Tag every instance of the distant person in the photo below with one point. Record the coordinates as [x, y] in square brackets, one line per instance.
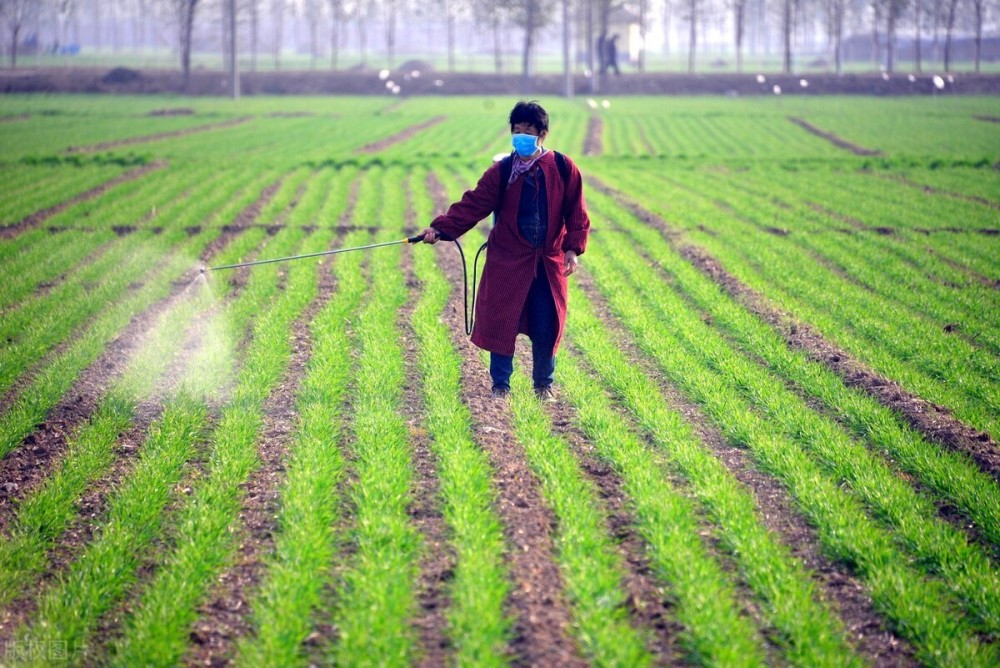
[602, 51]
[612, 54]
[541, 229]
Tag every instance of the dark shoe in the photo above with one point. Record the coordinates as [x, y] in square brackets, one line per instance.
[501, 392]
[546, 393]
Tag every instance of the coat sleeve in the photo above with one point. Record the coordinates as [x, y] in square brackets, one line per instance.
[474, 206]
[575, 213]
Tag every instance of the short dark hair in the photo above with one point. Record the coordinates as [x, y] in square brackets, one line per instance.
[529, 112]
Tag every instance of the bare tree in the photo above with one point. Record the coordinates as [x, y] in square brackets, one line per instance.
[787, 26]
[338, 15]
[739, 23]
[692, 18]
[977, 7]
[362, 10]
[313, 13]
[531, 16]
[278, 8]
[491, 15]
[184, 11]
[389, 10]
[835, 15]
[893, 10]
[16, 15]
[918, 18]
[949, 27]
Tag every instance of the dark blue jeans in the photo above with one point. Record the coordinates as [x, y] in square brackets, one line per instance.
[543, 325]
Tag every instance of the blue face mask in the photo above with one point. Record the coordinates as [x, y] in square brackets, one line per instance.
[525, 145]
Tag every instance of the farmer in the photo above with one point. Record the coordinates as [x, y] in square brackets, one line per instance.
[541, 229]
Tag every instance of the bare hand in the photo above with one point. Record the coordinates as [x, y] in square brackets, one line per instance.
[430, 236]
[569, 264]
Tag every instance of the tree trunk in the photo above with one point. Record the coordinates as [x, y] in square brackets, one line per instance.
[529, 36]
[451, 40]
[693, 34]
[497, 44]
[567, 61]
[978, 6]
[890, 40]
[187, 31]
[949, 27]
[390, 33]
[642, 36]
[876, 42]
[918, 50]
[738, 18]
[786, 34]
[15, 33]
[838, 35]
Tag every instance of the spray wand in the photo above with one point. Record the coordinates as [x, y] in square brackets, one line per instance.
[469, 313]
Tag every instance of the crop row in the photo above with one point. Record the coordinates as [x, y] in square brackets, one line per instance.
[905, 348]
[785, 439]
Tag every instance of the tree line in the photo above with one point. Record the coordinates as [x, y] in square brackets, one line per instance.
[375, 26]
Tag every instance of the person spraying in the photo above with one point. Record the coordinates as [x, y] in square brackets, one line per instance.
[540, 232]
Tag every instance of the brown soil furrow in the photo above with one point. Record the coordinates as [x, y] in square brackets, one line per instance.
[935, 422]
[409, 132]
[593, 143]
[988, 119]
[25, 467]
[103, 146]
[832, 138]
[228, 615]
[931, 190]
[647, 600]
[13, 118]
[40, 217]
[537, 605]
[437, 563]
[973, 275]
[776, 510]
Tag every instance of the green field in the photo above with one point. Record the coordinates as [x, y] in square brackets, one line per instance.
[778, 395]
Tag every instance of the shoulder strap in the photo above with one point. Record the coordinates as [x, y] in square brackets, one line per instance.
[563, 166]
[506, 165]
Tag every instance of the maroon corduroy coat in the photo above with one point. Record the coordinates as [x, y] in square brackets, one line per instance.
[510, 259]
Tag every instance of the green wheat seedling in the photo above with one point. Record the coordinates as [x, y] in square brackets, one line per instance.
[44, 514]
[921, 609]
[949, 474]
[57, 376]
[591, 569]
[291, 593]
[939, 545]
[817, 297]
[376, 598]
[158, 631]
[477, 625]
[135, 517]
[810, 634]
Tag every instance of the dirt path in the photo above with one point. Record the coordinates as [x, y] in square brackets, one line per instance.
[409, 132]
[541, 617]
[144, 139]
[933, 421]
[833, 139]
[39, 217]
[866, 629]
[593, 143]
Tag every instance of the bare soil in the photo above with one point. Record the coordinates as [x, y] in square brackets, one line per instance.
[838, 587]
[40, 217]
[131, 141]
[593, 143]
[537, 605]
[935, 422]
[409, 132]
[833, 139]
